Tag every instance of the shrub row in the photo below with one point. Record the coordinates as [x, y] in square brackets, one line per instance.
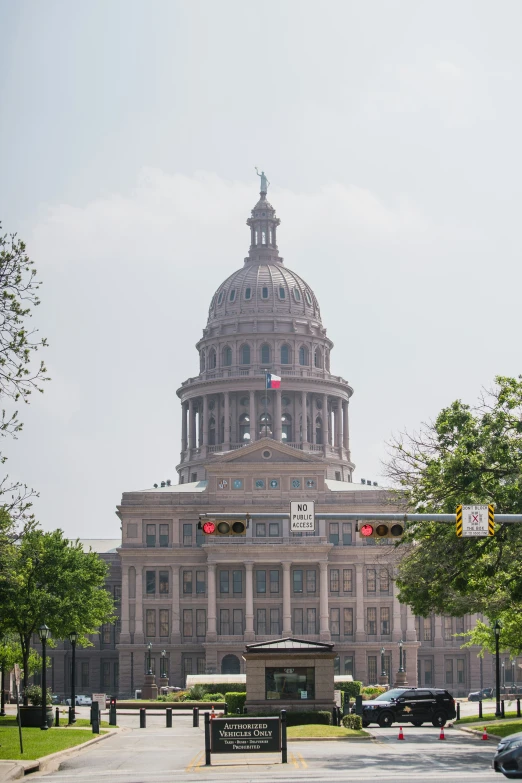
[234, 701]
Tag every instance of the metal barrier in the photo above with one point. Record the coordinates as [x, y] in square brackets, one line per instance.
[480, 709]
[168, 713]
[143, 718]
[195, 717]
[57, 717]
[95, 717]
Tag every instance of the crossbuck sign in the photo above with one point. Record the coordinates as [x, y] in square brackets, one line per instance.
[302, 516]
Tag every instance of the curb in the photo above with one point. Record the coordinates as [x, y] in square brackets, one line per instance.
[330, 739]
[478, 733]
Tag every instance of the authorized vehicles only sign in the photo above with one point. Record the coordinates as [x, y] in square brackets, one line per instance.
[241, 735]
[302, 516]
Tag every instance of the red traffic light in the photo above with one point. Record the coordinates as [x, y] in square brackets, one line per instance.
[367, 530]
[209, 528]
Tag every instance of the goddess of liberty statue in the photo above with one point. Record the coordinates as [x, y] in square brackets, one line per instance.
[264, 182]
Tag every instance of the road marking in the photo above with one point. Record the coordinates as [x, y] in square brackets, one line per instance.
[194, 760]
[294, 761]
[303, 762]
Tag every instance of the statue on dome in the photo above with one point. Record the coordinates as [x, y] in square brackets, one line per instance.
[264, 182]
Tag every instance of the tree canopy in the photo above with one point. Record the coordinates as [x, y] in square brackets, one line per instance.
[468, 455]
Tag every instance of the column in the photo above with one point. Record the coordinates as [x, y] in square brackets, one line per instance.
[397, 622]
[360, 633]
[324, 626]
[346, 440]
[205, 419]
[278, 432]
[253, 416]
[411, 633]
[138, 622]
[304, 433]
[313, 434]
[183, 426]
[191, 426]
[212, 610]
[226, 439]
[125, 630]
[249, 603]
[287, 612]
[339, 424]
[175, 631]
[326, 421]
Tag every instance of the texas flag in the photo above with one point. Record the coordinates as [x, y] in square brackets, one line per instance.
[272, 381]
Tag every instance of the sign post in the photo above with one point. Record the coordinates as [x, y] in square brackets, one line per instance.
[302, 516]
[17, 674]
[475, 521]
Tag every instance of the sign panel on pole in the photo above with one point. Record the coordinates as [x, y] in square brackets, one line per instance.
[241, 735]
[101, 698]
[302, 516]
[475, 521]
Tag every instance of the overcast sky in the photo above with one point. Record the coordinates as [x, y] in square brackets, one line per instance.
[129, 132]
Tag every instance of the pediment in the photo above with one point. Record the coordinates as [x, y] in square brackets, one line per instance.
[279, 452]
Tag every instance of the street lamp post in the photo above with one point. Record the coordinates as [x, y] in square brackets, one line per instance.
[2, 686]
[73, 638]
[401, 667]
[383, 671]
[497, 669]
[503, 677]
[512, 676]
[149, 661]
[44, 633]
[163, 673]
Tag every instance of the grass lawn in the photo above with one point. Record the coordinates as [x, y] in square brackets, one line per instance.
[506, 728]
[10, 720]
[38, 743]
[321, 730]
[485, 718]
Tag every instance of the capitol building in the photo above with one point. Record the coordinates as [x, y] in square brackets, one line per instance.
[248, 449]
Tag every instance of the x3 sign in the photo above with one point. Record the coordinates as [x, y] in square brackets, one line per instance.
[475, 521]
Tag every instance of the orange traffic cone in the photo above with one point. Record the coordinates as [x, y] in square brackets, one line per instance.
[212, 714]
[441, 735]
[401, 735]
[485, 733]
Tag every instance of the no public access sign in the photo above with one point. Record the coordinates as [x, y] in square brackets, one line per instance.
[255, 735]
[302, 516]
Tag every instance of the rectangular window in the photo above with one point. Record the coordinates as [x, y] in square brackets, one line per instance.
[164, 535]
[335, 621]
[448, 630]
[298, 622]
[85, 674]
[187, 582]
[384, 581]
[237, 582]
[348, 665]
[200, 665]
[371, 621]
[348, 621]
[298, 581]
[334, 580]
[164, 622]
[261, 582]
[261, 622]
[385, 620]
[427, 629]
[260, 529]
[224, 622]
[333, 533]
[201, 622]
[311, 622]
[187, 666]
[200, 582]
[347, 580]
[106, 633]
[151, 622]
[311, 581]
[151, 535]
[117, 594]
[428, 671]
[387, 666]
[279, 685]
[459, 625]
[187, 623]
[372, 669]
[224, 586]
[337, 666]
[347, 533]
[449, 671]
[274, 621]
[417, 628]
[237, 619]
[371, 579]
[187, 534]
[461, 674]
[150, 582]
[164, 582]
[273, 529]
[106, 675]
[274, 581]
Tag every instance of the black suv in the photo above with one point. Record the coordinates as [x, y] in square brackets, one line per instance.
[409, 705]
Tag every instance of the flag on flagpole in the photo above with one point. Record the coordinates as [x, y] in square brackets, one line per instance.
[272, 381]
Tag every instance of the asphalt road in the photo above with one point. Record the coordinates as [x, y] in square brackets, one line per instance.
[157, 754]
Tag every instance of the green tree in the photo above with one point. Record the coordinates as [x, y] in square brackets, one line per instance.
[467, 455]
[46, 578]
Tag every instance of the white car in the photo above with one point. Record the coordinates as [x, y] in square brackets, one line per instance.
[81, 701]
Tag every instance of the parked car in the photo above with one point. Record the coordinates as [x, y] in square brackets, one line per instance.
[508, 758]
[80, 701]
[485, 693]
[409, 705]
[55, 699]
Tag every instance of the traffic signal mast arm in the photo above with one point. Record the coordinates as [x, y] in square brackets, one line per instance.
[504, 518]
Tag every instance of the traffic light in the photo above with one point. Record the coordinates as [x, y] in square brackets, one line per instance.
[223, 527]
[381, 529]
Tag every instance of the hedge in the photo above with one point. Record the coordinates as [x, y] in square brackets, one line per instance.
[219, 687]
[352, 722]
[351, 688]
[296, 717]
[234, 701]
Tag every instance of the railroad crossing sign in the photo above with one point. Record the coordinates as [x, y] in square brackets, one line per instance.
[475, 521]
[302, 516]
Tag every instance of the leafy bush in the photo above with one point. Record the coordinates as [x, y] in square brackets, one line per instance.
[235, 700]
[352, 722]
[370, 692]
[34, 694]
[214, 697]
[198, 692]
[298, 718]
[351, 688]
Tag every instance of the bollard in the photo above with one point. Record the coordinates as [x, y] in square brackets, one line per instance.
[238, 710]
[458, 710]
[57, 717]
[95, 713]
[245, 710]
[339, 717]
[503, 708]
[143, 718]
[168, 713]
[207, 738]
[225, 711]
[112, 711]
[480, 709]
[518, 708]
[284, 749]
[334, 716]
[358, 705]
[195, 717]
[72, 718]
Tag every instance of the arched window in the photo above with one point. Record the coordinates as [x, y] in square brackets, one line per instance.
[303, 356]
[244, 427]
[232, 295]
[202, 361]
[307, 297]
[227, 356]
[248, 293]
[230, 664]
[265, 425]
[285, 354]
[265, 354]
[282, 292]
[212, 359]
[212, 431]
[264, 292]
[245, 354]
[297, 295]
[318, 358]
[220, 297]
[319, 431]
[286, 428]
